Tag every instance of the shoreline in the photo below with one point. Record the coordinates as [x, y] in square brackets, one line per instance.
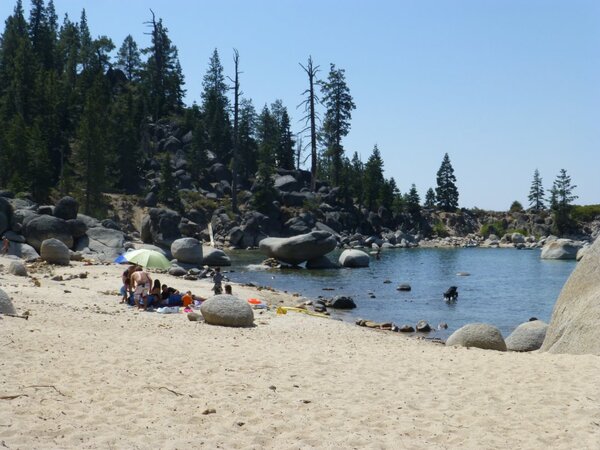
[86, 372]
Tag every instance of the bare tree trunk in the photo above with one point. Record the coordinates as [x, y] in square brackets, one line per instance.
[311, 117]
[236, 109]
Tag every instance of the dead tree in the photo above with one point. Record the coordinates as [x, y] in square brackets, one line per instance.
[236, 137]
[310, 119]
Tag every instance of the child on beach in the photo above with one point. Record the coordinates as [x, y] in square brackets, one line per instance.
[217, 280]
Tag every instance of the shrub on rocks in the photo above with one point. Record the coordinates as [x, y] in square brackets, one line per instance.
[227, 311]
[478, 335]
[54, 251]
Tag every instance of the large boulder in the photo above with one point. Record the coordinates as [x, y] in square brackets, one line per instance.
[187, 250]
[354, 258]
[105, 243]
[297, 249]
[560, 249]
[527, 337]
[54, 251]
[321, 262]
[228, 311]
[47, 227]
[6, 306]
[287, 183]
[161, 227]
[17, 268]
[215, 257]
[66, 208]
[574, 327]
[478, 335]
[23, 251]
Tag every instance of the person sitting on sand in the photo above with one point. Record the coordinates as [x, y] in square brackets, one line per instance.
[141, 283]
[166, 292]
[126, 288]
[154, 296]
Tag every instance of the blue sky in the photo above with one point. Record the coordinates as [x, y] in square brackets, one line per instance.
[504, 87]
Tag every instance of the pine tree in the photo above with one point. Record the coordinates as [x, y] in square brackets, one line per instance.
[162, 74]
[168, 190]
[285, 146]
[91, 148]
[355, 178]
[561, 201]
[336, 123]
[430, 199]
[373, 180]
[128, 59]
[446, 191]
[413, 201]
[248, 146]
[214, 109]
[125, 135]
[39, 170]
[536, 193]
[197, 153]
[267, 131]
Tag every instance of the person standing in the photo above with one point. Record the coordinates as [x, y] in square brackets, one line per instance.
[141, 283]
[5, 245]
[217, 280]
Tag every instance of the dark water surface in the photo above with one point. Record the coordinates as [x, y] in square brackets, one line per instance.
[505, 286]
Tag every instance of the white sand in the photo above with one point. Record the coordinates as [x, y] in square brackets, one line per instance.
[95, 374]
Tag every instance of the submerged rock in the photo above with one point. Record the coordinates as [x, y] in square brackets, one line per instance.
[297, 249]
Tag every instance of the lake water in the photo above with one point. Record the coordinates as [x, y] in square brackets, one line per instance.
[505, 286]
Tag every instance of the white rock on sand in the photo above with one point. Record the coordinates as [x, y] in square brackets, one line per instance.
[86, 372]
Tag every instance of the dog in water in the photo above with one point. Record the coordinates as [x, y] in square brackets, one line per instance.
[451, 294]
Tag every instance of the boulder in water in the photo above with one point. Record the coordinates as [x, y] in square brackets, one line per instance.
[297, 249]
[560, 249]
[354, 258]
[215, 257]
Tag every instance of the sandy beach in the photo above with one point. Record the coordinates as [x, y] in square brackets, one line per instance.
[86, 372]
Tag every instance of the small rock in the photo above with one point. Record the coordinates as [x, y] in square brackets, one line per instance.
[406, 329]
[194, 317]
[423, 326]
[404, 287]
[209, 411]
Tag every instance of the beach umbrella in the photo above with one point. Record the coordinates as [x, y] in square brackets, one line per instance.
[120, 259]
[150, 259]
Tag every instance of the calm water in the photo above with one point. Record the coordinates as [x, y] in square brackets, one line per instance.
[505, 286]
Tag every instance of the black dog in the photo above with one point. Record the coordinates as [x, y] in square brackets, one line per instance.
[451, 294]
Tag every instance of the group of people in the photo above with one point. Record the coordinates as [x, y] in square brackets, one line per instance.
[140, 291]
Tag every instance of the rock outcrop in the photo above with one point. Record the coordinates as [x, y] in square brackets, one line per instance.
[478, 335]
[574, 327]
[227, 311]
[297, 249]
[45, 227]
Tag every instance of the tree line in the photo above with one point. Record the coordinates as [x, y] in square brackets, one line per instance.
[76, 111]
